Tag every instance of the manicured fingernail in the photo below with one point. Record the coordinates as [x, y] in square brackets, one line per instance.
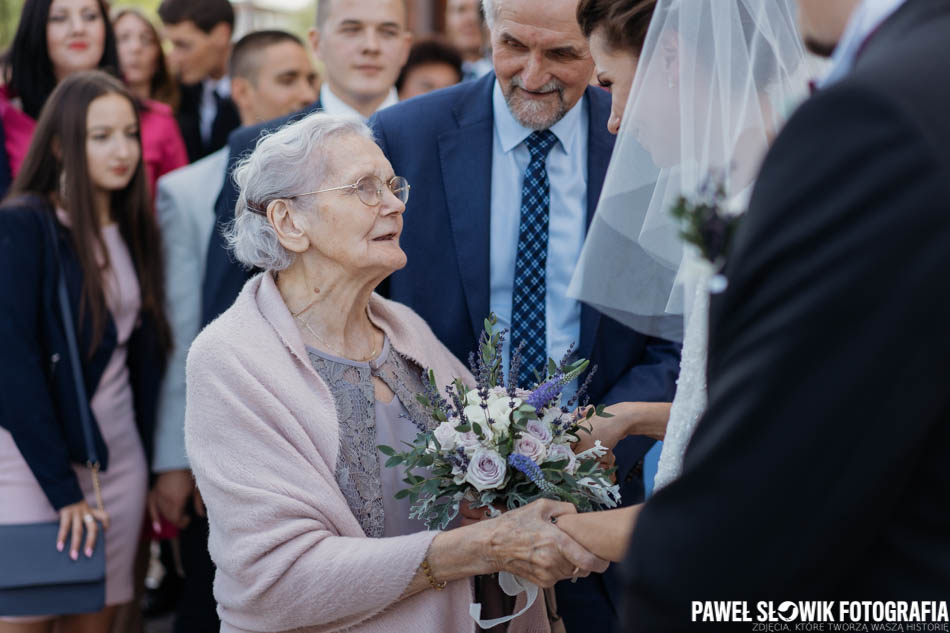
[59, 547]
[156, 526]
[88, 552]
[74, 555]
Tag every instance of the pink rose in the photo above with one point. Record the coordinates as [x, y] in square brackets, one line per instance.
[531, 447]
[561, 452]
[487, 470]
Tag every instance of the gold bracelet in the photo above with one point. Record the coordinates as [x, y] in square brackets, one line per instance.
[438, 586]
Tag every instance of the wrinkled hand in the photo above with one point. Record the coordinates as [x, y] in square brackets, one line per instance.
[526, 543]
[169, 497]
[71, 521]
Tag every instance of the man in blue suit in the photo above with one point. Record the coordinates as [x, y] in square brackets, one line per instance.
[505, 174]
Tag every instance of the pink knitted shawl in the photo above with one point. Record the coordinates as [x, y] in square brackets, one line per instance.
[262, 438]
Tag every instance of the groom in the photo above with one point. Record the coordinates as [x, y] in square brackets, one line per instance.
[820, 470]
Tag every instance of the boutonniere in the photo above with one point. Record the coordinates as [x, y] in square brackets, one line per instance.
[707, 224]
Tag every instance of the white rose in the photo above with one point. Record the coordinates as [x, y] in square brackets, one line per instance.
[446, 434]
[560, 452]
[487, 470]
[541, 430]
[472, 398]
[476, 414]
[469, 442]
[531, 447]
[500, 413]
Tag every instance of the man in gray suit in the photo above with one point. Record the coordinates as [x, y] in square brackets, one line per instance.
[271, 76]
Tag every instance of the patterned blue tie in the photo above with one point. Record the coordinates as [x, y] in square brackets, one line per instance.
[528, 319]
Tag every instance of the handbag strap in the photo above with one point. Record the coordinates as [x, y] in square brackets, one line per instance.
[75, 365]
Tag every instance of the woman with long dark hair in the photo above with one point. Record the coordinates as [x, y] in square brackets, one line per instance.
[79, 207]
[54, 39]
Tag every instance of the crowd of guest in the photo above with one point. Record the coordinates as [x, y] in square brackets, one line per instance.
[218, 301]
[158, 119]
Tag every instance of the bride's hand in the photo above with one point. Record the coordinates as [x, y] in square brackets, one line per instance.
[629, 418]
[609, 430]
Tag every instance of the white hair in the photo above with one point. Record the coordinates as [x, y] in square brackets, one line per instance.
[286, 162]
[488, 8]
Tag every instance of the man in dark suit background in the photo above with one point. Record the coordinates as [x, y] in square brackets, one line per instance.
[505, 176]
[363, 45]
[200, 33]
[820, 468]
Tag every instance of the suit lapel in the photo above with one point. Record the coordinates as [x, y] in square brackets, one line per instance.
[600, 144]
[465, 155]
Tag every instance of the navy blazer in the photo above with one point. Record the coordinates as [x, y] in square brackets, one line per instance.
[224, 277]
[38, 399]
[442, 143]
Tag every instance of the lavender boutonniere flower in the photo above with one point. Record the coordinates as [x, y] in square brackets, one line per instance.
[705, 221]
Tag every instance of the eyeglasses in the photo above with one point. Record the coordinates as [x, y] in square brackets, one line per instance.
[369, 189]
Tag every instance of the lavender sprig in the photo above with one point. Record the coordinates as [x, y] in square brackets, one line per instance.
[515, 369]
[459, 459]
[524, 464]
[582, 390]
[546, 392]
[566, 359]
[432, 393]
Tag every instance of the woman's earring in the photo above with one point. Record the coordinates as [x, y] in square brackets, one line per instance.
[62, 186]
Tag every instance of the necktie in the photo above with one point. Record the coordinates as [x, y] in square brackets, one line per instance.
[528, 319]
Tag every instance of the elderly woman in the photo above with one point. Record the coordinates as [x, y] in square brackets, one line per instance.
[291, 390]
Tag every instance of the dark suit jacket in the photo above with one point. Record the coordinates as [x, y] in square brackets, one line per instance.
[224, 277]
[189, 120]
[38, 397]
[442, 143]
[820, 468]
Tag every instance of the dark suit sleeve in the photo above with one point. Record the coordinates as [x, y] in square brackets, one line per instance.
[652, 379]
[26, 402]
[828, 352]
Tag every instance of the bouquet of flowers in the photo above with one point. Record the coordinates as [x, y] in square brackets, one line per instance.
[497, 445]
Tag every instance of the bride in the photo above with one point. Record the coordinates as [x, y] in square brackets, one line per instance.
[697, 103]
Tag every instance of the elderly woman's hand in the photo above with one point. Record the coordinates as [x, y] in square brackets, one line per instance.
[528, 543]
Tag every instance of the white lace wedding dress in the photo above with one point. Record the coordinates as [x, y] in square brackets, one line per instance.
[689, 402]
[690, 399]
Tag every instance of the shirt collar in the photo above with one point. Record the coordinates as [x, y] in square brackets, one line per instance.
[220, 86]
[332, 104]
[866, 19]
[511, 133]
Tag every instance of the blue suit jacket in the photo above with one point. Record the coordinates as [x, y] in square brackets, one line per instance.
[224, 277]
[442, 143]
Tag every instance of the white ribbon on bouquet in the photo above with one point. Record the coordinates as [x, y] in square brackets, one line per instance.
[512, 585]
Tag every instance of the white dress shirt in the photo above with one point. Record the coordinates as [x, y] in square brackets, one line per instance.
[209, 105]
[867, 17]
[334, 105]
[567, 175]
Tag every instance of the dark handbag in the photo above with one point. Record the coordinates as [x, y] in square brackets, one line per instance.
[35, 578]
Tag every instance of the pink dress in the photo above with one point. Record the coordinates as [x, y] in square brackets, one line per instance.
[163, 149]
[125, 484]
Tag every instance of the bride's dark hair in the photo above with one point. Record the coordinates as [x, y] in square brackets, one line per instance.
[624, 22]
